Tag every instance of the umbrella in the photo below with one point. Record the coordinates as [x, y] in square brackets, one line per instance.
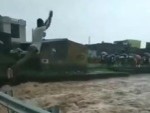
[147, 54]
[104, 53]
[1, 42]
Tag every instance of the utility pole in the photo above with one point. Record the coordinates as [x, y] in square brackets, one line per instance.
[89, 40]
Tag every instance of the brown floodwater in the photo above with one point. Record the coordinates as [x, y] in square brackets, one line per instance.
[114, 95]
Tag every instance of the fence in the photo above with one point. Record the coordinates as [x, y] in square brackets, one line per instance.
[16, 106]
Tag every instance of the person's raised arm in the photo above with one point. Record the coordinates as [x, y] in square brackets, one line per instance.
[48, 21]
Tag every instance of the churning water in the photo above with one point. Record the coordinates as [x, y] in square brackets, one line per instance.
[114, 95]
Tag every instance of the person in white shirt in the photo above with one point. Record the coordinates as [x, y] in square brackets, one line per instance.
[38, 33]
[34, 49]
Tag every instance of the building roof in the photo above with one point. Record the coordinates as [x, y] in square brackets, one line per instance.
[6, 19]
[55, 40]
[128, 40]
[60, 40]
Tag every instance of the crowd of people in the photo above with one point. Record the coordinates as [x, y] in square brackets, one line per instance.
[124, 59]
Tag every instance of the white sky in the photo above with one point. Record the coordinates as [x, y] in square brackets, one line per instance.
[102, 20]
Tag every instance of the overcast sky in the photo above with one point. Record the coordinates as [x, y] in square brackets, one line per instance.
[102, 20]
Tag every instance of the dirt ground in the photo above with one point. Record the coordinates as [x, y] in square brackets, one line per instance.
[114, 95]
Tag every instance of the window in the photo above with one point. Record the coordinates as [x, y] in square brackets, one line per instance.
[15, 31]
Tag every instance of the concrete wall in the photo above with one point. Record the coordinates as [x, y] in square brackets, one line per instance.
[6, 22]
[77, 54]
[92, 53]
[63, 52]
[134, 43]
[54, 52]
[7, 28]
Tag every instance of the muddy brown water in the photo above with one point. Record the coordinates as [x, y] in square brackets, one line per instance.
[114, 95]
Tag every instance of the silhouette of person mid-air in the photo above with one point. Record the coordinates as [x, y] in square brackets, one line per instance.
[34, 49]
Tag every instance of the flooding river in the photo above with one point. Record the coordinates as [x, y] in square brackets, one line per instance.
[113, 95]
